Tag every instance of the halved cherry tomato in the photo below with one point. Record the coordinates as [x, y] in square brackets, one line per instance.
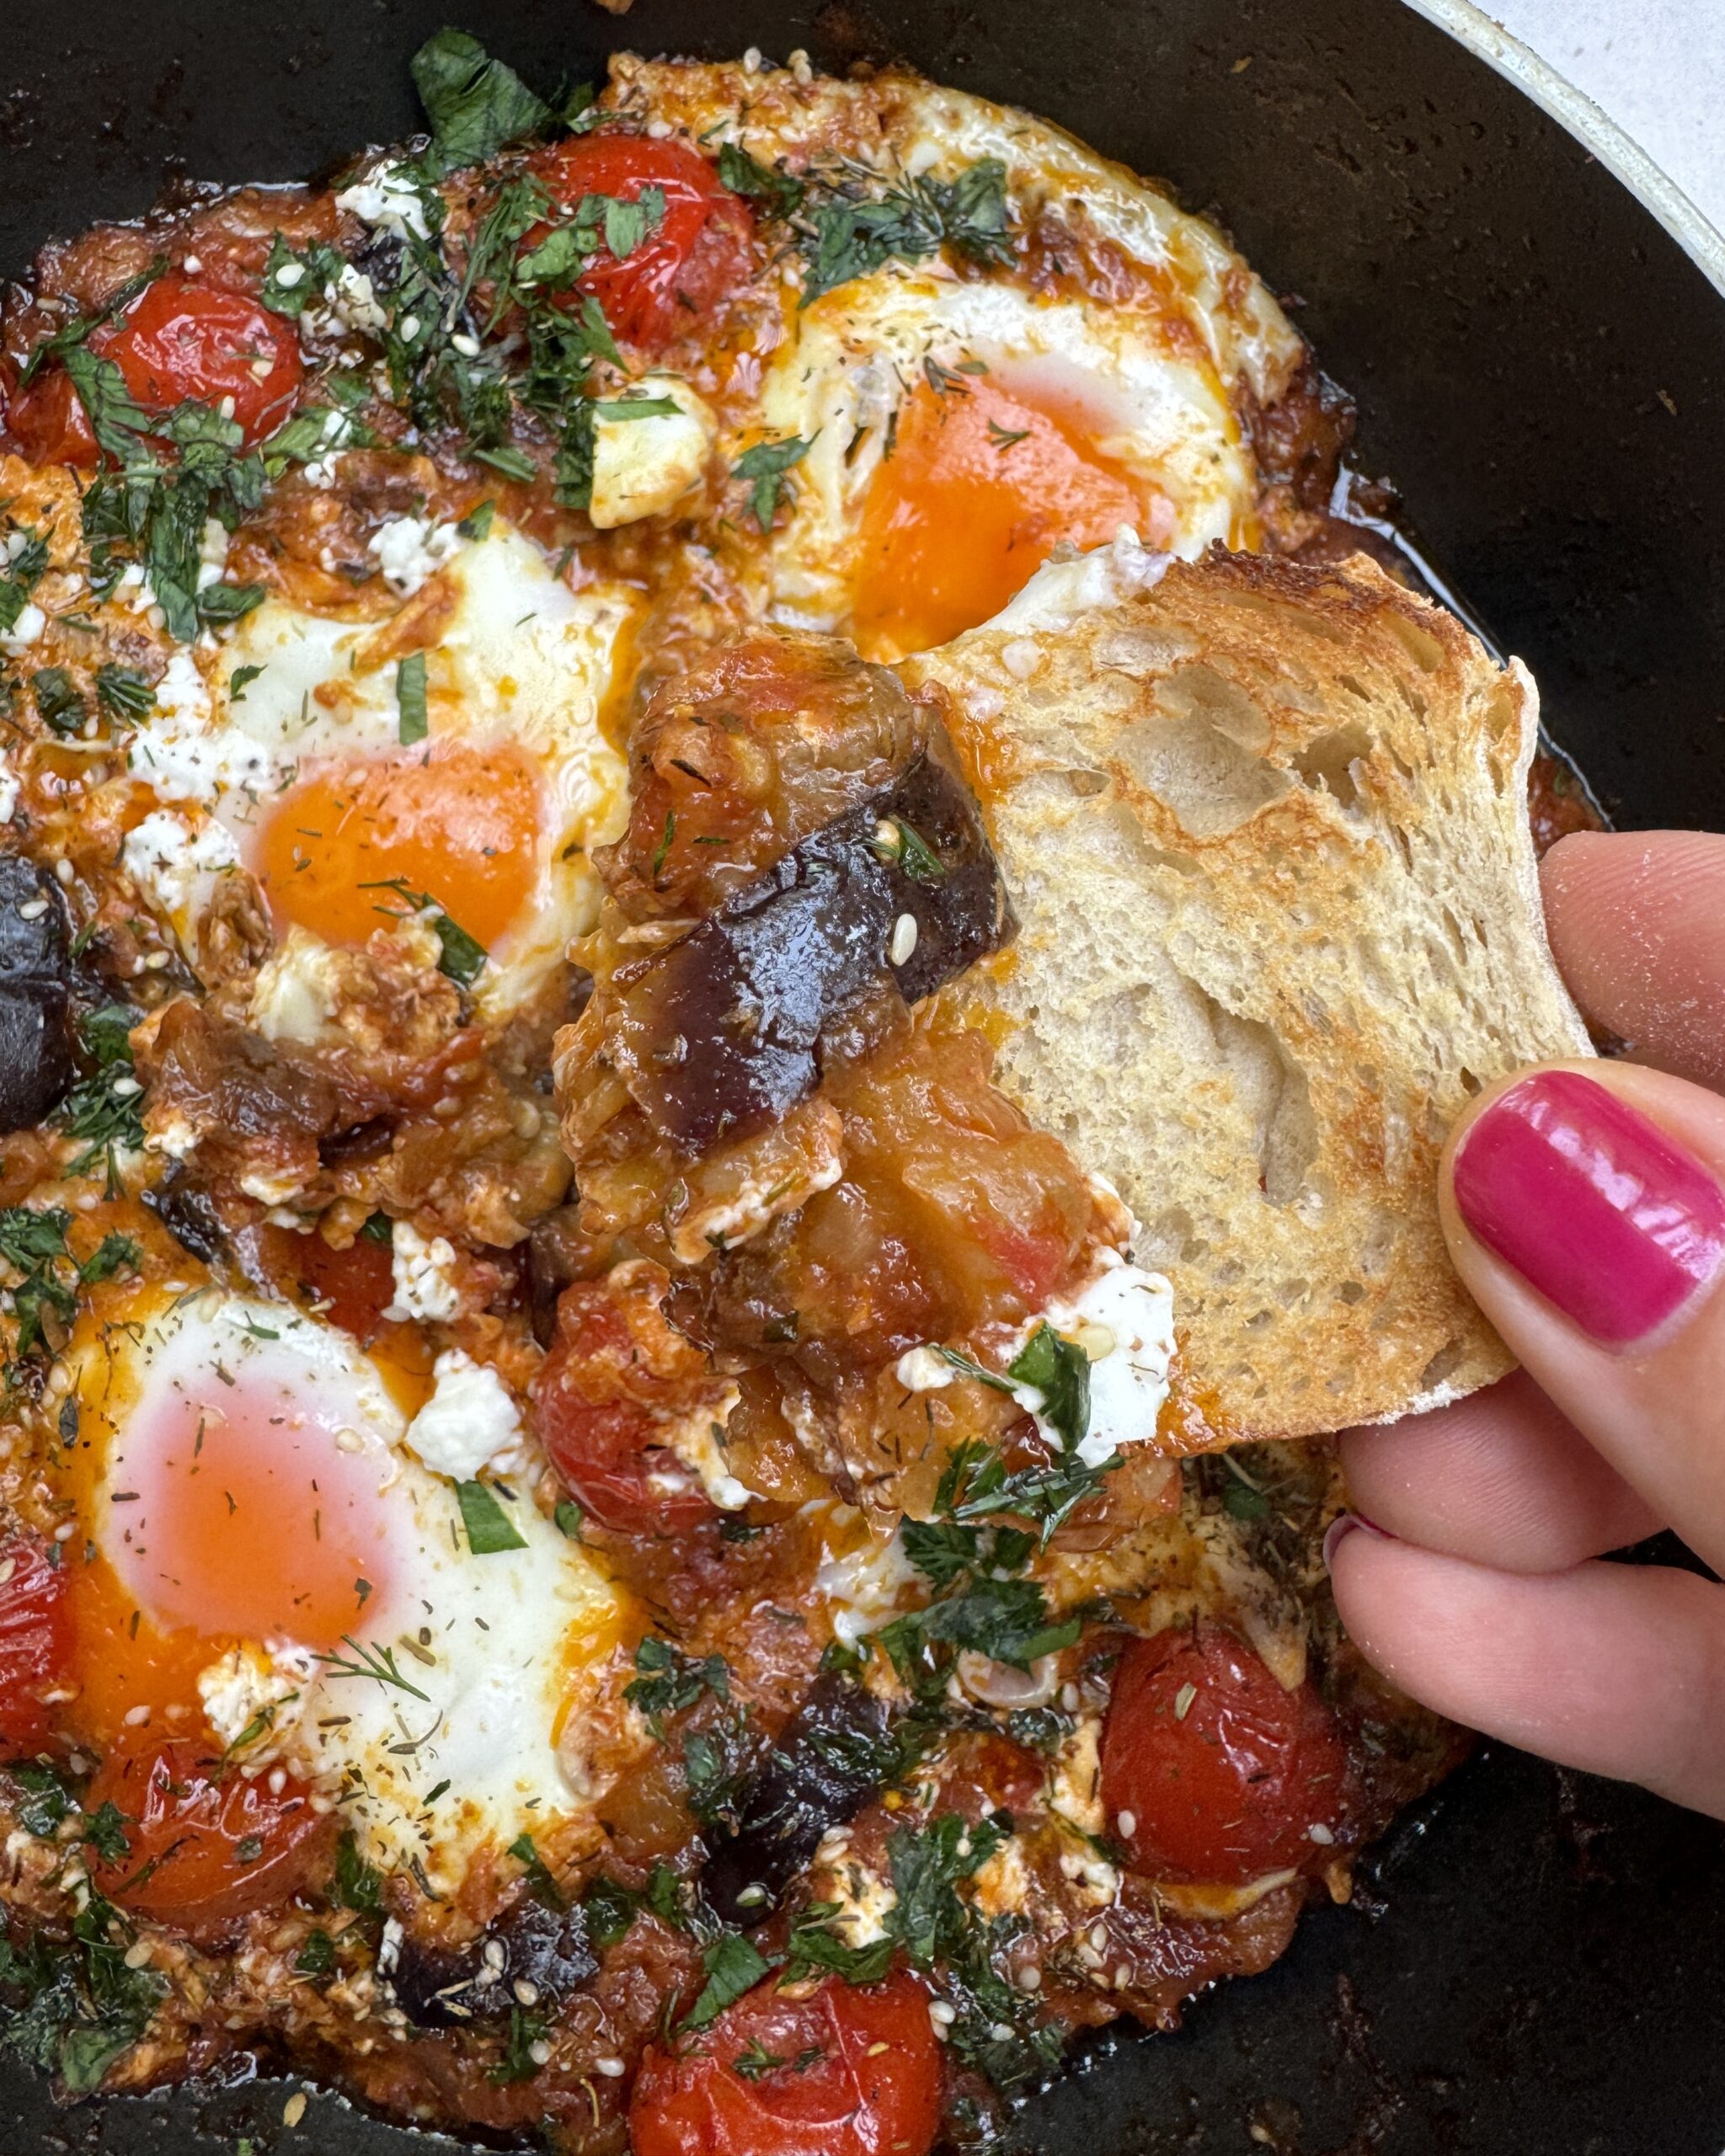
[182, 337]
[205, 1844]
[1221, 1774]
[46, 420]
[35, 1640]
[847, 2071]
[617, 1378]
[698, 252]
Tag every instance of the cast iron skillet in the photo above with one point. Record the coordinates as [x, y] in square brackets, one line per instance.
[1535, 1962]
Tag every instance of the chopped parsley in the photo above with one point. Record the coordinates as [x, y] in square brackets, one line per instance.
[733, 1965]
[60, 701]
[475, 104]
[671, 1680]
[490, 1528]
[316, 1958]
[518, 2063]
[414, 724]
[357, 1884]
[847, 237]
[744, 174]
[764, 465]
[541, 1885]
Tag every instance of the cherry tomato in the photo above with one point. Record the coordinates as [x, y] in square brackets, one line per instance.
[35, 1640]
[847, 2071]
[47, 421]
[698, 252]
[205, 1844]
[1221, 1774]
[181, 338]
[355, 1285]
[617, 1376]
[184, 338]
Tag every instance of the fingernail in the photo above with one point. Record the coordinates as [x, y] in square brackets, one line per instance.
[1595, 1207]
[1341, 1527]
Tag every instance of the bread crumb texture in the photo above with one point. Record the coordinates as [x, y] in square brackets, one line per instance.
[1265, 826]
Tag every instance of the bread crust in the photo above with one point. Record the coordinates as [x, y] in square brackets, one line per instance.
[1265, 826]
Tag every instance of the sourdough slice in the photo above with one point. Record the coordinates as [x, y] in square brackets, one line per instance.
[1265, 827]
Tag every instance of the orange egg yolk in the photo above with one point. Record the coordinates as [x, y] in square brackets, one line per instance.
[459, 824]
[982, 483]
[235, 1514]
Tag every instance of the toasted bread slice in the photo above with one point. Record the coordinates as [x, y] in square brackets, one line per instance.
[1265, 827]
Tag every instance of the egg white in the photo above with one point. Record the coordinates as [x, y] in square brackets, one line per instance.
[519, 659]
[494, 1642]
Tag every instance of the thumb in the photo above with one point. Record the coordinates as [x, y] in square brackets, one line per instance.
[1585, 1206]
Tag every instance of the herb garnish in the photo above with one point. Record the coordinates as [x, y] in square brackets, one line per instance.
[765, 465]
[671, 1680]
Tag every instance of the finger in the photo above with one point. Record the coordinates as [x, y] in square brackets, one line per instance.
[1500, 1478]
[1583, 1208]
[1619, 1669]
[1634, 919]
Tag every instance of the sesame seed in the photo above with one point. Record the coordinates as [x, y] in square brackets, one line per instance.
[64, 871]
[348, 1441]
[496, 1954]
[539, 2053]
[1318, 1832]
[1069, 1698]
[467, 346]
[409, 327]
[1030, 1979]
[137, 1955]
[1127, 1823]
[158, 961]
[526, 1992]
[941, 2014]
[226, 408]
[289, 275]
[135, 1717]
[904, 941]
[613, 2069]
[874, 2051]
[66, 1531]
[752, 1897]
[33, 910]
[191, 265]
[294, 2110]
[1098, 1937]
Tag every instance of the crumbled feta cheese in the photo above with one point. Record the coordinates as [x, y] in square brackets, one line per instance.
[296, 993]
[410, 549]
[8, 790]
[184, 757]
[923, 1369]
[424, 1287]
[353, 302]
[470, 1421]
[757, 1202]
[1075, 1793]
[864, 1902]
[26, 630]
[697, 1440]
[1124, 1319]
[171, 860]
[250, 1682]
[866, 1586]
[387, 200]
[642, 468]
[212, 554]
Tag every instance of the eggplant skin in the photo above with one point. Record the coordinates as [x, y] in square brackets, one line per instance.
[545, 1950]
[831, 1759]
[36, 1067]
[722, 1034]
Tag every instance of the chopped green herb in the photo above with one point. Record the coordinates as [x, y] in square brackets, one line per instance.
[1059, 1371]
[358, 1886]
[847, 237]
[60, 701]
[123, 692]
[744, 174]
[669, 1680]
[815, 1949]
[414, 724]
[240, 681]
[733, 1966]
[379, 1228]
[907, 849]
[105, 1830]
[540, 1883]
[46, 1802]
[316, 1958]
[766, 466]
[527, 2032]
[490, 1527]
[568, 1517]
[476, 524]
[376, 1662]
[609, 1909]
[475, 104]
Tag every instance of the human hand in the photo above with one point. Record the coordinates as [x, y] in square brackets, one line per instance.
[1585, 1206]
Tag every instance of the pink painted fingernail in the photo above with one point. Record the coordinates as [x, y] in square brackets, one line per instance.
[1595, 1207]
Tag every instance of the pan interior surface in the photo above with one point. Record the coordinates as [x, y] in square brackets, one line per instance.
[1534, 1961]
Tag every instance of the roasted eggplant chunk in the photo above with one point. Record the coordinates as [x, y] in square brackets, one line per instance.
[535, 1956]
[832, 1760]
[35, 1049]
[722, 1033]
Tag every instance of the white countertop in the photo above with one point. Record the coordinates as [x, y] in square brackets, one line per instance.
[1655, 67]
